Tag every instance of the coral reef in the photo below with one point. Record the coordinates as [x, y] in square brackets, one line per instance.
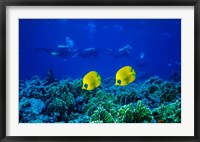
[101, 115]
[139, 114]
[63, 101]
[30, 108]
[168, 113]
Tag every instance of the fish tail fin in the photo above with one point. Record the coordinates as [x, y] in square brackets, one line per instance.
[132, 78]
[98, 81]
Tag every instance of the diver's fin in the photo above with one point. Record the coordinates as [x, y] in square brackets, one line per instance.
[61, 46]
[75, 55]
[74, 50]
[110, 50]
[54, 53]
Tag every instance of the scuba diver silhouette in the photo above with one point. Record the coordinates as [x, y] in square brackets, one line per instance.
[124, 51]
[141, 62]
[68, 50]
[88, 52]
[62, 51]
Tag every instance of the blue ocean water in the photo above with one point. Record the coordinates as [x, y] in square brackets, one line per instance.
[155, 47]
[55, 55]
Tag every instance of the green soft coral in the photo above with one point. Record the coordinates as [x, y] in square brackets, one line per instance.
[101, 99]
[125, 114]
[141, 114]
[101, 115]
[61, 92]
[126, 97]
[170, 113]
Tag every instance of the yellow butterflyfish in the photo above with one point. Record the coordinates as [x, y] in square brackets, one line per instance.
[91, 80]
[125, 76]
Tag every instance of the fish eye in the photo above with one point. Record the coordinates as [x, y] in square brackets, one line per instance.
[86, 86]
[119, 82]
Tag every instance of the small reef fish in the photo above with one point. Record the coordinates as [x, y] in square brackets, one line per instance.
[91, 81]
[125, 76]
[161, 121]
